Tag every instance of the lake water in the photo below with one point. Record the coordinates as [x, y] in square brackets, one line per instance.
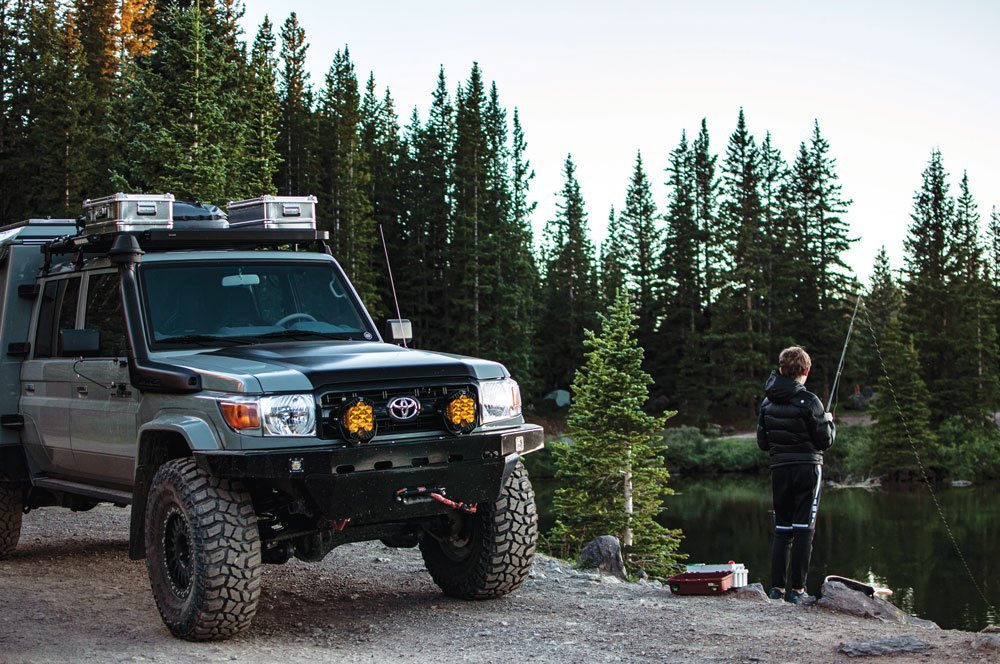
[892, 536]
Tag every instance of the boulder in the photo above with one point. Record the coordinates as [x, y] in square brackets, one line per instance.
[838, 597]
[891, 646]
[605, 555]
[989, 641]
[753, 592]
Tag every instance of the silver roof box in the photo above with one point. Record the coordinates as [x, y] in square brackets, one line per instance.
[129, 212]
[284, 212]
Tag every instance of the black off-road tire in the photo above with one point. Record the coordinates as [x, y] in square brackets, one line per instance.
[11, 509]
[492, 555]
[202, 552]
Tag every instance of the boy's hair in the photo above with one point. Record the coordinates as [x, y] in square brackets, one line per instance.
[794, 361]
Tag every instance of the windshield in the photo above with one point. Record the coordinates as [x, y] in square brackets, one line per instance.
[209, 303]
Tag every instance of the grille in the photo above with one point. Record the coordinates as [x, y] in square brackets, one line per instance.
[431, 398]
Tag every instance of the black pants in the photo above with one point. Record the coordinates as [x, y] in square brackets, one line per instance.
[796, 491]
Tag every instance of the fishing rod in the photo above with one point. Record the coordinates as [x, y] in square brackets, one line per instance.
[843, 355]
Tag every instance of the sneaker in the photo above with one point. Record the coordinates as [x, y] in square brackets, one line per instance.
[794, 597]
[776, 593]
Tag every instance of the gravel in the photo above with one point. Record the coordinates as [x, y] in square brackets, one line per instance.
[70, 594]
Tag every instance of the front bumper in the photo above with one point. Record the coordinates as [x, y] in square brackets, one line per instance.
[360, 483]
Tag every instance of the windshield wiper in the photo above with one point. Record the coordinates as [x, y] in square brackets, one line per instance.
[298, 334]
[201, 340]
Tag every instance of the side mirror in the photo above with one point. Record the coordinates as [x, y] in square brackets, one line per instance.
[400, 330]
[79, 343]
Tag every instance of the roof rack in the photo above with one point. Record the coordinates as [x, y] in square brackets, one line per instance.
[171, 240]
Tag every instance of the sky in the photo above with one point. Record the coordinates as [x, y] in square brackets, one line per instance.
[888, 81]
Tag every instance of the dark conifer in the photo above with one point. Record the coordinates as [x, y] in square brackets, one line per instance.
[263, 113]
[642, 242]
[297, 171]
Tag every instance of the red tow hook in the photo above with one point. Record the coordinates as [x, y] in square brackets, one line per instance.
[468, 509]
[340, 524]
[408, 495]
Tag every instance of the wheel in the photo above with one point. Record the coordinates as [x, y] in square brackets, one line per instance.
[202, 552]
[491, 556]
[11, 509]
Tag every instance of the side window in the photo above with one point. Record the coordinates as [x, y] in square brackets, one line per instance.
[104, 313]
[60, 300]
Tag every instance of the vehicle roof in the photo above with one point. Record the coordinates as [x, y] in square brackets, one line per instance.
[101, 262]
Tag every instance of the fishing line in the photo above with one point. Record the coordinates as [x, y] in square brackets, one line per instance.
[920, 463]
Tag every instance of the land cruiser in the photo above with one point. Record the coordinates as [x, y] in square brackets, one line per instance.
[222, 378]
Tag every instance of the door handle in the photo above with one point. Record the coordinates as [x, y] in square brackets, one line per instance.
[81, 390]
[29, 388]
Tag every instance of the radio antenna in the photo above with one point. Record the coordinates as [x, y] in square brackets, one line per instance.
[392, 284]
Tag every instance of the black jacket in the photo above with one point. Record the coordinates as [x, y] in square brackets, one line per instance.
[791, 426]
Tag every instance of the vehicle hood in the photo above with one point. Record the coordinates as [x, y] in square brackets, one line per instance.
[305, 366]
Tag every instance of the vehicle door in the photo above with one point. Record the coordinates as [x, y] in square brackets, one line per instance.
[48, 380]
[103, 417]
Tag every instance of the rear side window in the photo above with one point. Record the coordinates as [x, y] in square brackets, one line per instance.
[60, 300]
[104, 313]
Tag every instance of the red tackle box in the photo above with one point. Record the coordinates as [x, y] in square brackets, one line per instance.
[700, 583]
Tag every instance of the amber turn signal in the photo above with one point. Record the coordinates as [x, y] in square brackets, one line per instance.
[241, 415]
[460, 413]
[357, 420]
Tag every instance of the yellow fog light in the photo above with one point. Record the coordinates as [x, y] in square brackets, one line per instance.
[357, 420]
[460, 413]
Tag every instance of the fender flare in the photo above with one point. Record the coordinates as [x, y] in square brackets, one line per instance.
[167, 436]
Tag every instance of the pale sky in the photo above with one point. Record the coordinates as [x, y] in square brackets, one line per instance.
[888, 81]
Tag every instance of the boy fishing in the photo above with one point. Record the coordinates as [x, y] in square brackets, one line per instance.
[794, 429]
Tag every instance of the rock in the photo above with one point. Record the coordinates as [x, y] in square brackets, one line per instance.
[921, 623]
[838, 597]
[754, 592]
[891, 646]
[989, 641]
[604, 554]
[990, 629]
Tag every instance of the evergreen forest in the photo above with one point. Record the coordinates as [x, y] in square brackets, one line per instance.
[745, 255]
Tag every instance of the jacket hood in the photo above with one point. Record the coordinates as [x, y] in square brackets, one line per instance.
[781, 389]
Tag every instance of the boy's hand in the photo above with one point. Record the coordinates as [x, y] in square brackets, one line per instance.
[828, 417]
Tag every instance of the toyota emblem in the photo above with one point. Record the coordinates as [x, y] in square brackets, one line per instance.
[403, 409]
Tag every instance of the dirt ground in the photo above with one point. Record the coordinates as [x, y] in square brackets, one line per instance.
[70, 594]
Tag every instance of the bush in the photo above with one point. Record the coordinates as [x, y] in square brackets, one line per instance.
[970, 452]
[691, 452]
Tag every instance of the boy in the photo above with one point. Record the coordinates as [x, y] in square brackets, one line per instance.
[794, 429]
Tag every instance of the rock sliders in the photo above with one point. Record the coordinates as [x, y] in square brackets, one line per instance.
[605, 555]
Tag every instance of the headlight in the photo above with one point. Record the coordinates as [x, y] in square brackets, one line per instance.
[288, 415]
[500, 400]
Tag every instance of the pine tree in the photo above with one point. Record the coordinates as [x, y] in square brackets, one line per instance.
[433, 161]
[685, 295]
[466, 250]
[344, 179]
[261, 131]
[135, 30]
[569, 288]
[612, 262]
[821, 206]
[99, 39]
[782, 268]
[706, 203]
[738, 325]
[387, 162]
[883, 304]
[927, 270]
[902, 414]
[972, 387]
[522, 276]
[297, 172]
[614, 480]
[182, 136]
[12, 25]
[642, 243]
[49, 103]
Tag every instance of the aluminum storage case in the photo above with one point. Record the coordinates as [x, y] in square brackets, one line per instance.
[285, 212]
[129, 212]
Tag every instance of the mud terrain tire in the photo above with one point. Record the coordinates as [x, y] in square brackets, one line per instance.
[202, 552]
[492, 556]
[11, 509]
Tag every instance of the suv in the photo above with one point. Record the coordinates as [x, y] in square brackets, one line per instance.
[230, 387]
